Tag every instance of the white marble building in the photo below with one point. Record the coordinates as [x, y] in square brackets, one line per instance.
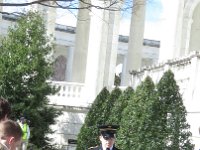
[86, 61]
[73, 74]
[179, 51]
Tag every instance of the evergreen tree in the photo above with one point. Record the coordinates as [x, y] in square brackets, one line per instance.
[88, 135]
[139, 126]
[25, 67]
[176, 132]
[110, 105]
[120, 104]
[117, 80]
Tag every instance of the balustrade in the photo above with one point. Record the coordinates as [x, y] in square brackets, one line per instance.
[69, 94]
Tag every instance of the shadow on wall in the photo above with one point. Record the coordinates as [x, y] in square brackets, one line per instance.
[59, 68]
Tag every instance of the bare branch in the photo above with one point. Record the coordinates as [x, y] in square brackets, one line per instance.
[31, 3]
[71, 4]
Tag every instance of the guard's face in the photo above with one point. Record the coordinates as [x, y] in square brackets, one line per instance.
[107, 143]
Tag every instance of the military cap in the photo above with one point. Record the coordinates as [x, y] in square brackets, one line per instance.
[108, 131]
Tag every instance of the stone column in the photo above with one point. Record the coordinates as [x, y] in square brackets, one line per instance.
[81, 45]
[109, 47]
[94, 51]
[70, 52]
[134, 55]
[51, 21]
[90, 49]
[123, 70]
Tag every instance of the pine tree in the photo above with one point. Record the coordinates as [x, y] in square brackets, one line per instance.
[120, 104]
[110, 105]
[176, 132]
[138, 129]
[25, 67]
[88, 135]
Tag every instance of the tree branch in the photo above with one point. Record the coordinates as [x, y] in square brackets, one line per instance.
[31, 3]
[72, 4]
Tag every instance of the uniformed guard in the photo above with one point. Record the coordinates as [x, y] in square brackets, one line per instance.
[107, 137]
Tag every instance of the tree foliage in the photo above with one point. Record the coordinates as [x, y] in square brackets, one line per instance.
[117, 80]
[109, 105]
[153, 117]
[25, 66]
[99, 113]
[177, 134]
[120, 104]
[138, 125]
[88, 135]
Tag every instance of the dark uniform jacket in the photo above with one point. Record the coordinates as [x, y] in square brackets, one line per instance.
[100, 148]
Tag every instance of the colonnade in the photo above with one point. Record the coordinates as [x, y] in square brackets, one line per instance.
[93, 59]
[95, 52]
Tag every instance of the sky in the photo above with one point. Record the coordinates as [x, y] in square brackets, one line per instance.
[152, 23]
[153, 19]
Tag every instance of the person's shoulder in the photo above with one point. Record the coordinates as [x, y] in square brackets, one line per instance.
[94, 148]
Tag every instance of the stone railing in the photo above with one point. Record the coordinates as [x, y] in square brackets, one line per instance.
[69, 94]
[183, 69]
[68, 89]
